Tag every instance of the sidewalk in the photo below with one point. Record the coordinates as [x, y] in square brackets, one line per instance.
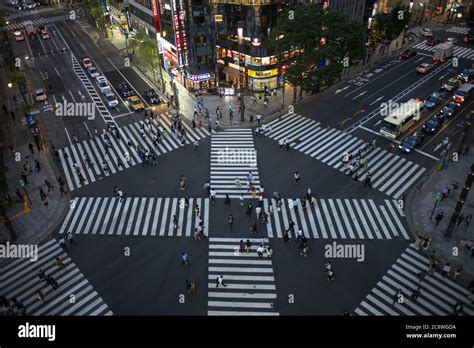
[420, 203]
[36, 221]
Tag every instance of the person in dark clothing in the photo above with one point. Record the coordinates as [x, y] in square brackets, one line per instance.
[439, 217]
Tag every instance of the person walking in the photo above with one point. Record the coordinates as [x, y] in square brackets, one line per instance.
[48, 185]
[467, 220]
[42, 194]
[71, 239]
[460, 219]
[120, 195]
[197, 233]
[446, 269]
[459, 270]
[253, 228]
[414, 296]
[230, 220]
[175, 223]
[397, 297]
[63, 245]
[249, 209]
[241, 199]
[213, 195]
[41, 275]
[220, 281]
[260, 251]
[185, 259]
[196, 144]
[40, 295]
[304, 249]
[269, 252]
[59, 262]
[297, 177]
[458, 308]
[37, 165]
[248, 246]
[281, 143]
[438, 218]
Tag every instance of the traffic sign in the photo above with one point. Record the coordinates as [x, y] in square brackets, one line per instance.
[22, 183]
[438, 196]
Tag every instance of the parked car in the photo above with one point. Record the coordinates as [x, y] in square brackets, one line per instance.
[426, 32]
[93, 72]
[432, 41]
[424, 68]
[110, 99]
[103, 84]
[135, 103]
[125, 90]
[151, 97]
[410, 142]
[450, 109]
[467, 75]
[86, 62]
[408, 53]
[432, 125]
[451, 84]
[432, 100]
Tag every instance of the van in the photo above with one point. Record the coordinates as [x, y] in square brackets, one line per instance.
[463, 93]
[29, 28]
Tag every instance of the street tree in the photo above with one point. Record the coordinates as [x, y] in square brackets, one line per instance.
[387, 27]
[315, 46]
[147, 50]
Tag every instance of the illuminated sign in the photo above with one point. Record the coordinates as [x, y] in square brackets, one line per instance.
[129, 19]
[200, 77]
[262, 74]
[155, 16]
[218, 18]
[170, 56]
[229, 54]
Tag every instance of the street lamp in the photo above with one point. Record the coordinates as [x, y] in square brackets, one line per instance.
[10, 85]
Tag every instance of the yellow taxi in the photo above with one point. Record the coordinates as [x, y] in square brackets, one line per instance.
[135, 103]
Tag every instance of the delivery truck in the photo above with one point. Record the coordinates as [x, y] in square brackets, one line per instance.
[443, 51]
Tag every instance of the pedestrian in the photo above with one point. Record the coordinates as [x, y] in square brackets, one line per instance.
[213, 195]
[120, 195]
[197, 234]
[48, 185]
[249, 209]
[248, 246]
[51, 281]
[23, 177]
[414, 296]
[458, 308]
[40, 295]
[304, 249]
[31, 147]
[460, 219]
[297, 177]
[258, 211]
[237, 183]
[230, 219]
[42, 194]
[458, 272]
[59, 262]
[63, 245]
[41, 275]
[269, 252]
[62, 191]
[281, 143]
[185, 259]
[446, 269]
[196, 144]
[253, 228]
[286, 238]
[71, 239]
[220, 281]
[467, 219]
[438, 218]
[175, 222]
[37, 165]
[397, 297]
[260, 251]
[227, 200]
[196, 210]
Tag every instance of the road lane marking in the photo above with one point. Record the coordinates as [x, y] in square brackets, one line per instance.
[376, 100]
[359, 95]
[67, 133]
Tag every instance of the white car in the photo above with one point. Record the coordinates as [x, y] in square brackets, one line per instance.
[103, 84]
[45, 34]
[93, 72]
[110, 99]
[40, 95]
[452, 40]
[426, 32]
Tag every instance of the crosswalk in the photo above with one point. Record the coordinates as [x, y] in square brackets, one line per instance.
[94, 151]
[135, 216]
[74, 296]
[39, 22]
[459, 51]
[438, 294]
[390, 173]
[458, 30]
[338, 218]
[250, 289]
[233, 156]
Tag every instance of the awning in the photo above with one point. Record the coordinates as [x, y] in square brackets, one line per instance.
[231, 71]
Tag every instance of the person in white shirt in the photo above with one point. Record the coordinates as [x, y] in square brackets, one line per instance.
[260, 251]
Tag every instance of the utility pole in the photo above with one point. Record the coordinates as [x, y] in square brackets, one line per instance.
[460, 203]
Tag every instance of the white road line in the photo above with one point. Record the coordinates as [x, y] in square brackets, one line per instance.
[72, 96]
[376, 100]
[57, 72]
[70, 142]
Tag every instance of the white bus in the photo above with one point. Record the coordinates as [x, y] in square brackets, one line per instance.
[400, 119]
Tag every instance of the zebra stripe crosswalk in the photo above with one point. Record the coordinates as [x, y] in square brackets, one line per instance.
[250, 285]
[233, 156]
[135, 216]
[458, 30]
[97, 152]
[19, 279]
[39, 22]
[390, 173]
[337, 218]
[438, 294]
[459, 51]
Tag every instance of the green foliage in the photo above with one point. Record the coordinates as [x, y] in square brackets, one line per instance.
[389, 26]
[302, 36]
[18, 78]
